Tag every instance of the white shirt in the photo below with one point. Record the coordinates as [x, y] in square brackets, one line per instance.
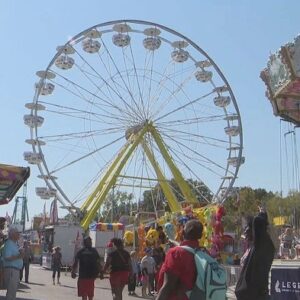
[148, 263]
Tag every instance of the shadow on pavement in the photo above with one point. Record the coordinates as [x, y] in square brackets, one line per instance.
[67, 286]
[24, 285]
[4, 297]
[102, 288]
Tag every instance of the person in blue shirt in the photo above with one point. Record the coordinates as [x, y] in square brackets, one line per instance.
[12, 263]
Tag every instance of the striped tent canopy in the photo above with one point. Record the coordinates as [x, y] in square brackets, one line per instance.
[107, 226]
[11, 179]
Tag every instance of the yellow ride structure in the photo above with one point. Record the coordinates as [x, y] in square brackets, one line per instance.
[135, 137]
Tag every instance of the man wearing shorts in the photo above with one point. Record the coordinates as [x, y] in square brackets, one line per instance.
[89, 268]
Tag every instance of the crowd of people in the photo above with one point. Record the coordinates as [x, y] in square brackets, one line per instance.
[165, 273]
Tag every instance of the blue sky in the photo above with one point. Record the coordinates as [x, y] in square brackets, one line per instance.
[237, 35]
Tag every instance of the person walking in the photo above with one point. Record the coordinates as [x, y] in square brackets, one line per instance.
[148, 272]
[158, 255]
[12, 263]
[119, 262]
[178, 272]
[257, 260]
[56, 264]
[88, 260]
[133, 275]
[27, 258]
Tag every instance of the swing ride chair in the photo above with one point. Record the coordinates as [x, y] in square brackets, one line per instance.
[155, 86]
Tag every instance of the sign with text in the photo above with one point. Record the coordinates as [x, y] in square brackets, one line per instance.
[285, 284]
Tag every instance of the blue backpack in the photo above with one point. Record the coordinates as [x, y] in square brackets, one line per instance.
[211, 280]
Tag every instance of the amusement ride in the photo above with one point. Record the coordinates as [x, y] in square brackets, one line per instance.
[132, 106]
[282, 79]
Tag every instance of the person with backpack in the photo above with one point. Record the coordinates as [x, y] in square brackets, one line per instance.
[256, 261]
[190, 273]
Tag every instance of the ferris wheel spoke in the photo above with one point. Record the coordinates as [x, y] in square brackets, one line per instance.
[148, 87]
[85, 156]
[116, 84]
[154, 97]
[81, 88]
[87, 116]
[183, 135]
[107, 100]
[138, 83]
[135, 106]
[111, 88]
[190, 121]
[119, 90]
[200, 163]
[192, 151]
[131, 78]
[115, 91]
[81, 194]
[172, 96]
[78, 135]
[169, 75]
[183, 106]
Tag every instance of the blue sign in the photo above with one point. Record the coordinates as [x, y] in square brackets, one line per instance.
[285, 284]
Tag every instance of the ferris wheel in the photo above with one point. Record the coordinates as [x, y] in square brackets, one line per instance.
[131, 105]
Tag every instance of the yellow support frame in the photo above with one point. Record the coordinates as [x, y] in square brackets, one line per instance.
[92, 204]
[94, 201]
[183, 185]
[172, 200]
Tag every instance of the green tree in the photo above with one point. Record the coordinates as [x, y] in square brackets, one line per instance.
[156, 198]
[117, 204]
[244, 204]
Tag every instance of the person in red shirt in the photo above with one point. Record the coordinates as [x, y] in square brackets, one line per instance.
[178, 272]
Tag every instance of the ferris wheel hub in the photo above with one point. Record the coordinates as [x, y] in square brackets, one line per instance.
[133, 130]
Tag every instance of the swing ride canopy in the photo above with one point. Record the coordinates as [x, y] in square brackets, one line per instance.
[282, 78]
[11, 179]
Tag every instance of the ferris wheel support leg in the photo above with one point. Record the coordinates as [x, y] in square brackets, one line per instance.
[111, 175]
[104, 179]
[174, 205]
[183, 185]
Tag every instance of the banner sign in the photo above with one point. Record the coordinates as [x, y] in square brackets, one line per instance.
[285, 284]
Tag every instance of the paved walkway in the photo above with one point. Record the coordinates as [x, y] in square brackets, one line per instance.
[40, 287]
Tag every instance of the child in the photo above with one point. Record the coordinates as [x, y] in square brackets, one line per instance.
[132, 277]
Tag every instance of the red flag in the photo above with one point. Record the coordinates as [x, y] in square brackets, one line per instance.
[53, 212]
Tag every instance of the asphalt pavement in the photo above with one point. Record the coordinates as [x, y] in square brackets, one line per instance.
[40, 287]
